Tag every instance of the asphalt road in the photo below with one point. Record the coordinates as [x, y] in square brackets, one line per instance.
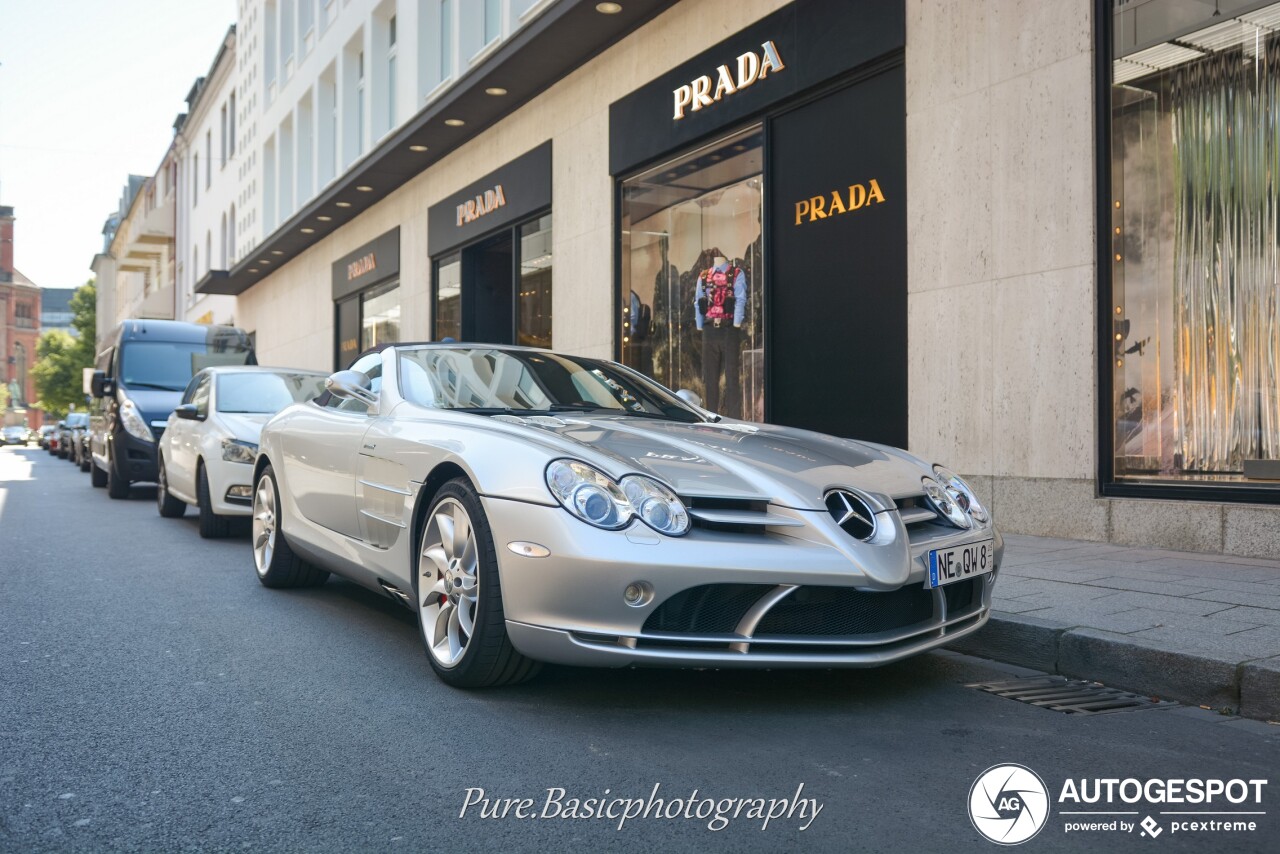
[154, 697]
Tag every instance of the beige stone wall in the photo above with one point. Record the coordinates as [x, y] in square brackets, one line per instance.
[292, 311]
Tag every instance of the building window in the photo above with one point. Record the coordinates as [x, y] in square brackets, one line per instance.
[692, 277]
[391, 72]
[1193, 363]
[208, 158]
[286, 30]
[359, 136]
[208, 249]
[231, 236]
[231, 130]
[533, 297]
[195, 180]
[446, 39]
[22, 316]
[492, 20]
[448, 313]
[222, 127]
[380, 316]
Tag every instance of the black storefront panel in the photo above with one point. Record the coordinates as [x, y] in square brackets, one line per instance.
[502, 198]
[838, 262]
[813, 42]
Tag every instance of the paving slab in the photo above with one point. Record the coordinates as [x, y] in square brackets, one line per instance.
[1202, 629]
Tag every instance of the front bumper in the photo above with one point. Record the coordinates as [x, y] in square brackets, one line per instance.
[223, 475]
[134, 459]
[568, 608]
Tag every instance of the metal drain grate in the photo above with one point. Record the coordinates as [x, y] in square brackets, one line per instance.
[1072, 696]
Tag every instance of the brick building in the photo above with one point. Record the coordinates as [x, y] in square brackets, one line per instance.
[20, 310]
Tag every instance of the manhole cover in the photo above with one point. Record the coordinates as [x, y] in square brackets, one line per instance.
[1072, 696]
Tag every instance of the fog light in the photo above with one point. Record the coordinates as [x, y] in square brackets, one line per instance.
[638, 594]
[240, 492]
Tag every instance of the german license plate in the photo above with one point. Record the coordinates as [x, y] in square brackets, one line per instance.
[947, 566]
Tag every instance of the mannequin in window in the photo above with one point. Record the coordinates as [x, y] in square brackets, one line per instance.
[720, 304]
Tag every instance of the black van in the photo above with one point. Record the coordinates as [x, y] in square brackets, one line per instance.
[138, 379]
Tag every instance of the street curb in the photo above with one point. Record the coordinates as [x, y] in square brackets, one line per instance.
[1251, 689]
[1260, 687]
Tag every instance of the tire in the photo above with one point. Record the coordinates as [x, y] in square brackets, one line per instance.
[484, 657]
[212, 526]
[169, 507]
[117, 485]
[275, 562]
[85, 462]
[97, 476]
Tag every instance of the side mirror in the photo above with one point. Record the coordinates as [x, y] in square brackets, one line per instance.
[188, 412]
[689, 397]
[101, 385]
[351, 385]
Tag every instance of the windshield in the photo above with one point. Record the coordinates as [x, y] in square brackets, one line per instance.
[490, 381]
[77, 419]
[262, 392]
[169, 365]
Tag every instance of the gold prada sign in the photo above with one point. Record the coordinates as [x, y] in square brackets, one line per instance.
[485, 203]
[751, 67]
[840, 202]
[360, 266]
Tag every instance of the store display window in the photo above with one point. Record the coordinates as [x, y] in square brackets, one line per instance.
[1193, 342]
[693, 274]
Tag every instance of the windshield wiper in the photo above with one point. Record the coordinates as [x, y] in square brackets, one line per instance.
[156, 386]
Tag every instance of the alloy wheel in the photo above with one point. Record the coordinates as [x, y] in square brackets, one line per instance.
[448, 582]
[264, 524]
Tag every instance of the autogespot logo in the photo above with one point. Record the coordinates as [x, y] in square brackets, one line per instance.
[1008, 804]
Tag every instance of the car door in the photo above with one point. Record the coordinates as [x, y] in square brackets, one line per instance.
[184, 444]
[321, 452]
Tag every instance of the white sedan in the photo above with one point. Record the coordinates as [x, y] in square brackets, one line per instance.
[211, 439]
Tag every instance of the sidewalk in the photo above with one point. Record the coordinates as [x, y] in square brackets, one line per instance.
[1203, 629]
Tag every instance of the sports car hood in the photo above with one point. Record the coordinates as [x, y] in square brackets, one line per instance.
[734, 459]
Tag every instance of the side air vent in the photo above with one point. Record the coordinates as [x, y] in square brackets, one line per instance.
[852, 514]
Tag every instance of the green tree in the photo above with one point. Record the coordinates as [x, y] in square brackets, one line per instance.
[60, 359]
[57, 372]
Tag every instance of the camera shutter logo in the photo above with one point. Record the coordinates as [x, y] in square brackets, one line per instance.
[1008, 804]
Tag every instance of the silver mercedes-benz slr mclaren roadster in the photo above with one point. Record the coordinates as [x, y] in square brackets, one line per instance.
[535, 507]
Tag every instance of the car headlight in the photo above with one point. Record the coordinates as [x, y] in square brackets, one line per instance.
[596, 499]
[133, 423]
[962, 494]
[657, 506]
[945, 504]
[238, 451]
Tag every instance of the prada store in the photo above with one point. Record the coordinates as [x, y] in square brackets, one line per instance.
[490, 247]
[761, 203]
[366, 297]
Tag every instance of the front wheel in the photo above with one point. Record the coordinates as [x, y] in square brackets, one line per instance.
[169, 507]
[117, 484]
[459, 596]
[212, 526]
[275, 561]
[97, 476]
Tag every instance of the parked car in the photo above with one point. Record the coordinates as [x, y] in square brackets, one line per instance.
[46, 434]
[139, 378]
[69, 431]
[54, 440]
[529, 506]
[16, 434]
[211, 440]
